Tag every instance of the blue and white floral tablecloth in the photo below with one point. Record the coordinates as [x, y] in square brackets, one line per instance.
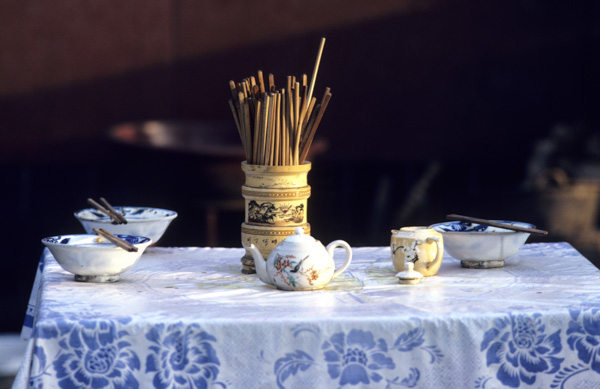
[188, 318]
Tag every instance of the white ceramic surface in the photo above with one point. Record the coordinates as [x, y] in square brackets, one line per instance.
[141, 221]
[92, 258]
[410, 275]
[299, 262]
[480, 246]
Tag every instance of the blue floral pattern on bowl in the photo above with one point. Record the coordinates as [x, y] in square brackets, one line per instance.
[67, 239]
[141, 221]
[474, 227]
[92, 258]
[481, 246]
[130, 213]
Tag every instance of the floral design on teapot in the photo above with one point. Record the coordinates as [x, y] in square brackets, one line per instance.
[287, 268]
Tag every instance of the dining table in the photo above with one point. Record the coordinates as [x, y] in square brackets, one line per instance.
[187, 317]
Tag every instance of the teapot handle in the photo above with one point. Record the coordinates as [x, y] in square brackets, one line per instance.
[340, 243]
[438, 252]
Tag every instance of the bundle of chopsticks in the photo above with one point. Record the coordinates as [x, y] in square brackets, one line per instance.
[277, 127]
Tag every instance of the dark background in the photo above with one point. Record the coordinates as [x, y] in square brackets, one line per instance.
[438, 107]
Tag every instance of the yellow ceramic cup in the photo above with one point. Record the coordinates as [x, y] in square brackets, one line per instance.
[422, 246]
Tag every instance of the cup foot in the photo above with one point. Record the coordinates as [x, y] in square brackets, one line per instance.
[410, 281]
[113, 278]
[474, 264]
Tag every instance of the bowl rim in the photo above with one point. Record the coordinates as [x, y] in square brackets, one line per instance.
[47, 241]
[505, 232]
[171, 215]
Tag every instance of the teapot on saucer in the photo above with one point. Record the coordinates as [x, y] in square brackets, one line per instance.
[299, 262]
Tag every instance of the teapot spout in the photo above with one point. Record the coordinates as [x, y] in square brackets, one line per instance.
[260, 263]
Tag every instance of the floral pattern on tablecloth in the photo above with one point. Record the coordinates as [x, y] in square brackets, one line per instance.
[520, 347]
[182, 357]
[196, 322]
[93, 354]
[99, 354]
[357, 357]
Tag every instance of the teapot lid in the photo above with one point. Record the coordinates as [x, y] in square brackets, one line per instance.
[299, 237]
[409, 275]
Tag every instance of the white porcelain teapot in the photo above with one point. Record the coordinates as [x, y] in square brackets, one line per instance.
[299, 262]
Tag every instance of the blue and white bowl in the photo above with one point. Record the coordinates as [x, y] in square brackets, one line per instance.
[478, 246]
[92, 258]
[141, 221]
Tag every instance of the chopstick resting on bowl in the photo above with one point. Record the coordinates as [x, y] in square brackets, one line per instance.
[495, 224]
[108, 210]
[116, 240]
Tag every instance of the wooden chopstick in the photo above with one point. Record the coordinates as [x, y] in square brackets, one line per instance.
[257, 121]
[111, 214]
[495, 224]
[261, 82]
[116, 240]
[313, 128]
[271, 83]
[316, 69]
[112, 210]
